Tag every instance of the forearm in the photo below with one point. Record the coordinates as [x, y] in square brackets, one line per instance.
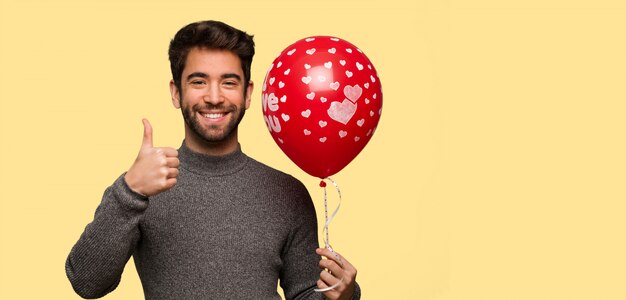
[95, 263]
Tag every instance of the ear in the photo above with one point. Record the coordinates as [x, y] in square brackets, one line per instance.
[249, 93]
[175, 94]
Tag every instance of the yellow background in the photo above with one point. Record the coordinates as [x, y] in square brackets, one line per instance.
[498, 170]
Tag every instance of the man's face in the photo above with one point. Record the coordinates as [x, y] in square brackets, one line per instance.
[212, 97]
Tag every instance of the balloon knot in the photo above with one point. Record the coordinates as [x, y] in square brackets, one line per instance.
[322, 183]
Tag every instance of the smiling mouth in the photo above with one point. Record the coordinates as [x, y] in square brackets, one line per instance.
[214, 116]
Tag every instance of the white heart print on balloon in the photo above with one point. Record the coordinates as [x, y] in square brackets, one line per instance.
[323, 119]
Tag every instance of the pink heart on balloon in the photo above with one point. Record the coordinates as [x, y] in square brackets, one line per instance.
[353, 92]
[342, 112]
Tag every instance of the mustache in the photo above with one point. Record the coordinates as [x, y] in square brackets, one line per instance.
[209, 106]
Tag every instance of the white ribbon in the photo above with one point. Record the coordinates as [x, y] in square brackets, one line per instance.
[328, 220]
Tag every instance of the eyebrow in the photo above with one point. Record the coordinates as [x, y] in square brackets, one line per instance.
[204, 75]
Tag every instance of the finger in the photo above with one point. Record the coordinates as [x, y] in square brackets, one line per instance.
[332, 267]
[172, 162]
[147, 134]
[349, 271]
[329, 279]
[332, 255]
[321, 284]
[170, 152]
[170, 183]
[331, 294]
[172, 173]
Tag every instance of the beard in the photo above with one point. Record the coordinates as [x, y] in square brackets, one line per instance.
[213, 133]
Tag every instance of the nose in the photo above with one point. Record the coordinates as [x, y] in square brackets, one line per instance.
[213, 95]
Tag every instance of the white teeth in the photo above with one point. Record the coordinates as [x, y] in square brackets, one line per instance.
[213, 116]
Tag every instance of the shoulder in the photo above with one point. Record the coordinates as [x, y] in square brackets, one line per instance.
[274, 176]
[280, 185]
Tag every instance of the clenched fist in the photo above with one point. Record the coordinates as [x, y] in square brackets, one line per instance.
[336, 270]
[155, 169]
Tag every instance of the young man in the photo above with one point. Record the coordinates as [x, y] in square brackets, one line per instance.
[206, 221]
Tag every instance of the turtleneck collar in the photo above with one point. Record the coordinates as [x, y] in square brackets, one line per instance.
[209, 165]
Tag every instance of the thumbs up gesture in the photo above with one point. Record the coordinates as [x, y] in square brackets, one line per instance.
[155, 169]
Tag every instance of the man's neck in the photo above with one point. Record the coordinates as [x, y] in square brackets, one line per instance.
[221, 148]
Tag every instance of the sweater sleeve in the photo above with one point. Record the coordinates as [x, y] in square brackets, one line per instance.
[300, 272]
[95, 263]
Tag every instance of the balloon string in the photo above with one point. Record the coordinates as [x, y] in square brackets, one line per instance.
[328, 220]
[327, 223]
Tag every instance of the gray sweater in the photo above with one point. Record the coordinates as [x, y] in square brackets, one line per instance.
[230, 229]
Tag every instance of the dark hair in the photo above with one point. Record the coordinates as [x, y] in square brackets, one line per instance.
[210, 35]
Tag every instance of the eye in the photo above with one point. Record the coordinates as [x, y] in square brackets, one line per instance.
[230, 83]
[197, 82]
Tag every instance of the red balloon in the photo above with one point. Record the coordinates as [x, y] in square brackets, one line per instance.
[322, 101]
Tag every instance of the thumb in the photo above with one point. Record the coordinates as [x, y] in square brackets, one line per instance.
[147, 134]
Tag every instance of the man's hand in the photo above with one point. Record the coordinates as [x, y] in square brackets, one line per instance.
[334, 269]
[155, 169]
